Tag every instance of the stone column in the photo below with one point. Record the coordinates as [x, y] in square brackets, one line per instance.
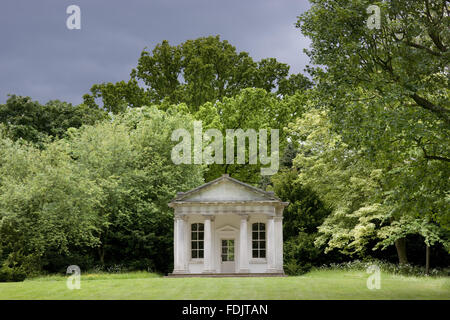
[243, 246]
[279, 243]
[179, 245]
[175, 240]
[208, 245]
[270, 252]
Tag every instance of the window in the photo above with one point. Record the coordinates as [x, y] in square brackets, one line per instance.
[197, 233]
[258, 240]
[227, 250]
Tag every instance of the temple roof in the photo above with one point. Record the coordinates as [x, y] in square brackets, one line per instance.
[226, 190]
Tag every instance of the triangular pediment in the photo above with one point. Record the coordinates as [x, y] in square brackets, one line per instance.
[227, 228]
[225, 189]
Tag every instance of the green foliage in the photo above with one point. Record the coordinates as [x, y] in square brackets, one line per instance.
[402, 61]
[101, 187]
[300, 254]
[46, 202]
[380, 112]
[33, 122]
[117, 97]
[252, 108]
[391, 268]
[432, 233]
[12, 274]
[223, 88]
[387, 94]
[354, 188]
[195, 72]
[130, 160]
[305, 212]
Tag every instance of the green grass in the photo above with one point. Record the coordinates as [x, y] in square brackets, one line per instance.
[320, 284]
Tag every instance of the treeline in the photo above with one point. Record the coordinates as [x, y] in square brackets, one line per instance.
[99, 195]
[364, 150]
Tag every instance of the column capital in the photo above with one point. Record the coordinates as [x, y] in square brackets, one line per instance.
[180, 217]
[243, 216]
[210, 217]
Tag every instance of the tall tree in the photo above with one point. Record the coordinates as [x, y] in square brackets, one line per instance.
[29, 120]
[130, 160]
[97, 188]
[46, 204]
[251, 109]
[197, 71]
[359, 191]
[386, 90]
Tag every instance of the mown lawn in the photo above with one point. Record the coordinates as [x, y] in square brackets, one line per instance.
[323, 284]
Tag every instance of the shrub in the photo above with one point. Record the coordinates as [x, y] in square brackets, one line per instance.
[300, 254]
[388, 267]
[295, 268]
[8, 274]
[5, 274]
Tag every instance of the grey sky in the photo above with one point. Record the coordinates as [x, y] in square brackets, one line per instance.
[41, 58]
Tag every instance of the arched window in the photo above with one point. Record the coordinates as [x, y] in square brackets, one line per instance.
[197, 236]
[258, 240]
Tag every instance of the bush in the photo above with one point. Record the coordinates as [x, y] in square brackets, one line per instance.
[300, 254]
[18, 275]
[5, 274]
[53, 262]
[8, 274]
[295, 268]
[399, 269]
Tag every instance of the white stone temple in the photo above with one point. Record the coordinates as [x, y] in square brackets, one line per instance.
[227, 227]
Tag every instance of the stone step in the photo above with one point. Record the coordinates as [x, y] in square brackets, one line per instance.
[223, 275]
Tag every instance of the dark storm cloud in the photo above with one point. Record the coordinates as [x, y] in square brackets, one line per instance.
[41, 58]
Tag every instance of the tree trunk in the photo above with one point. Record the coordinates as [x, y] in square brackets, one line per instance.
[400, 245]
[101, 255]
[427, 261]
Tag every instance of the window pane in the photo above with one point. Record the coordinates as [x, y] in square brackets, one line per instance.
[254, 244]
[200, 235]
[255, 253]
[262, 244]
[262, 227]
[200, 226]
[231, 247]
[194, 245]
[254, 226]
[262, 235]
[224, 243]
[194, 235]
[224, 257]
[262, 253]
[194, 227]
[200, 254]
[194, 254]
[200, 244]
[255, 235]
